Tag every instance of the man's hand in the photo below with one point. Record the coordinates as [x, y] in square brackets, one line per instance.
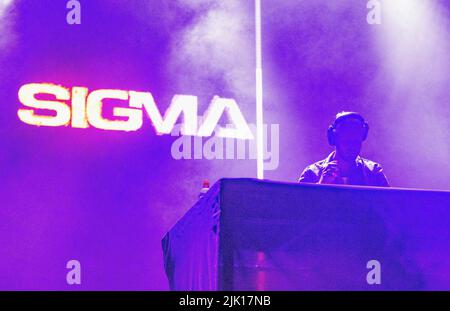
[330, 173]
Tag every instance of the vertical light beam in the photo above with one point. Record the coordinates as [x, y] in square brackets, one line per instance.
[259, 95]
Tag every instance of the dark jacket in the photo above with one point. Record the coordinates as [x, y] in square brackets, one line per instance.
[368, 173]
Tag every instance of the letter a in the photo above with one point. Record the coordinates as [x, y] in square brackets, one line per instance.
[374, 275]
[74, 15]
[74, 275]
[374, 15]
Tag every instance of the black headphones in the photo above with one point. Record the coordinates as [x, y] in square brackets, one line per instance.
[331, 132]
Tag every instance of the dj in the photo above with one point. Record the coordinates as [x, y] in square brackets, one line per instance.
[344, 165]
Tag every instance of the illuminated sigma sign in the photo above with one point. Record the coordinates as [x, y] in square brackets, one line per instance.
[85, 110]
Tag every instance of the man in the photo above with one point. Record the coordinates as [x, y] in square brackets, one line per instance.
[344, 165]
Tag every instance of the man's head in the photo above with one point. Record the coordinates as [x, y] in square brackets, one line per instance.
[347, 133]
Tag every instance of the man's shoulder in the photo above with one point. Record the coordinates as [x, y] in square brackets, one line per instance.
[315, 168]
[375, 174]
[317, 165]
[371, 165]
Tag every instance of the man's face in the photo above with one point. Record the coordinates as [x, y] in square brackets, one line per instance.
[349, 138]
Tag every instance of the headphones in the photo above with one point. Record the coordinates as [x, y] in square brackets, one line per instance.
[331, 132]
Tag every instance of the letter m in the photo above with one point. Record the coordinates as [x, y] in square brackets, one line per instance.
[180, 104]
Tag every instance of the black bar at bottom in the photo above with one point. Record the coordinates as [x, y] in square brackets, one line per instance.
[235, 300]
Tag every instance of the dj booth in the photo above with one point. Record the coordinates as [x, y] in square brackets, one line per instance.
[246, 234]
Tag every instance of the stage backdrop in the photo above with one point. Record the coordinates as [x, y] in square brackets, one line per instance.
[106, 198]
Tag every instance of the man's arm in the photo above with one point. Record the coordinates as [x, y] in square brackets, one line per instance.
[380, 179]
[309, 175]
